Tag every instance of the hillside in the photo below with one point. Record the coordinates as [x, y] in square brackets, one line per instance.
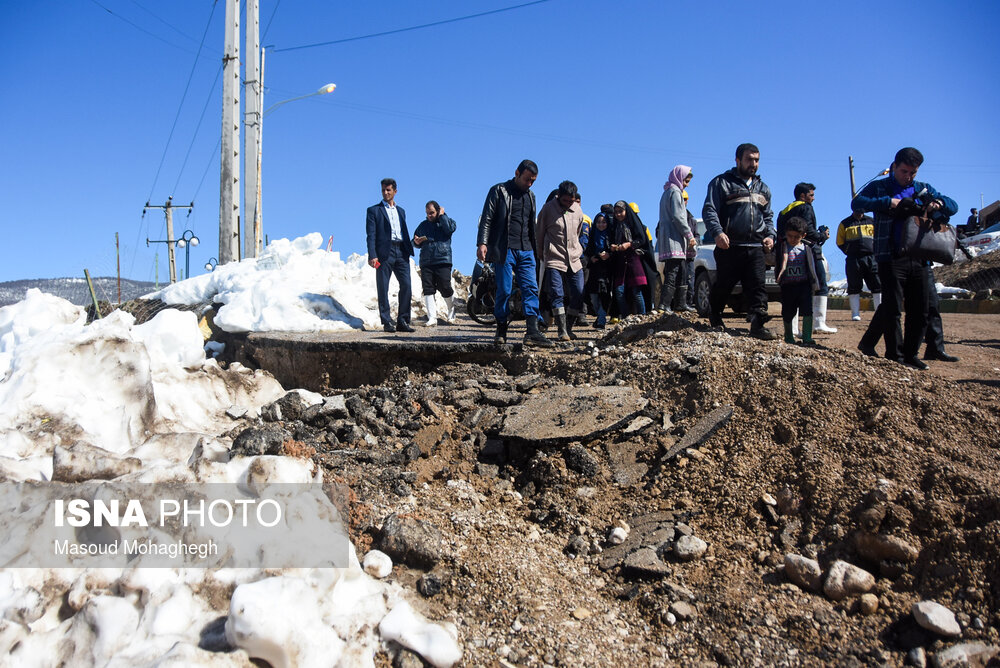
[75, 290]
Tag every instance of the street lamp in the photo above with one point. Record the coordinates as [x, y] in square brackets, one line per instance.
[187, 240]
[211, 264]
[253, 248]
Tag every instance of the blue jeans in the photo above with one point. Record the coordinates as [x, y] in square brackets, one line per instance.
[519, 264]
[563, 284]
[640, 303]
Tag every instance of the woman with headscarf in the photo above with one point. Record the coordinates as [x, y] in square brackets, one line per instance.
[628, 244]
[598, 254]
[673, 238]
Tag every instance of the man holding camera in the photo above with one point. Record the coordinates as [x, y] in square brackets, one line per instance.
[904, 279]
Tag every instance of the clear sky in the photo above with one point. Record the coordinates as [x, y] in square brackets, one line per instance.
[609, 95]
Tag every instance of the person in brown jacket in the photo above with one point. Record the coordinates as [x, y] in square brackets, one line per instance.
[558, 230]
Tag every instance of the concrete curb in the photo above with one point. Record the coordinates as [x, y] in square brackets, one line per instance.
[945, 305]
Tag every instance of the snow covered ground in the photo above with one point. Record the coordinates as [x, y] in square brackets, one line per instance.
[294, 286]
[117, 393]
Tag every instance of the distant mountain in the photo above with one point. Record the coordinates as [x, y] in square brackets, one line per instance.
[75, 290]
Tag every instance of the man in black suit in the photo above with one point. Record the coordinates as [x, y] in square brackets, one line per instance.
[389, 252]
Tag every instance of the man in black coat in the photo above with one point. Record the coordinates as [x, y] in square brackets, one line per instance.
[389, 252]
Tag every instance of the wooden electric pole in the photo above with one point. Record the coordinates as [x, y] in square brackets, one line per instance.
[168, 210]
[229, 196]
[251, 137]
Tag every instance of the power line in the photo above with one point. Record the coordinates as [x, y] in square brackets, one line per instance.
[208, 101]
[163, 21]
[143, 30]
[180, 106]
[268, 26]
[419, 27]
[173, 127]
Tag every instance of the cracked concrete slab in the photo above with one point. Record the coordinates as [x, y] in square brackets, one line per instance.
[566, 413]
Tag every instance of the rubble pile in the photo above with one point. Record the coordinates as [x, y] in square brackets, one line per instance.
[672, 495]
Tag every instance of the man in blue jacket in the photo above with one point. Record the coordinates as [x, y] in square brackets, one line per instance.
[389, 252]
[904, 279]
[737, 214]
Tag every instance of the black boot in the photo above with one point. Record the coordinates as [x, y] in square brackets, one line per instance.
[501, 336]
[533, 337]
[757, 329]
[682, 300]
[571, 320]
[560, 317]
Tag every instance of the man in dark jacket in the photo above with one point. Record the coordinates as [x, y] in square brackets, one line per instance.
[433, 237]
[904, 279]
[737, 214]
[389, 252]
[506, 238]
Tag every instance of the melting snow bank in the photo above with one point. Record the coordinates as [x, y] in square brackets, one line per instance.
[141, 403]
[295, 286]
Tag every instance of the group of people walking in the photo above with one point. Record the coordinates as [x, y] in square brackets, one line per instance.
[609, 262]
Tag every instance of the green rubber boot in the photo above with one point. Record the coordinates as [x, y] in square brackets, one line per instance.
[807, 330]
[789, 337]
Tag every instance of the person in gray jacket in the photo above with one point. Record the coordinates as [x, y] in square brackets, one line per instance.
[673, 239]
[433, 238]
[737, 214]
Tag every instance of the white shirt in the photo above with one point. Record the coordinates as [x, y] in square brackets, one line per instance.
[390, 210]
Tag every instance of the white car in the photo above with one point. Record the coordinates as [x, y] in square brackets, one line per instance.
[985, 241]
[704, 279]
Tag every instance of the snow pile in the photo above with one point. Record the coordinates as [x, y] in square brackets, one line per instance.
[294, 286]
[141, 403]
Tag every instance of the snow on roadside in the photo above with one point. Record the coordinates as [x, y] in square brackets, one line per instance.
[147, 392]
[293, 286]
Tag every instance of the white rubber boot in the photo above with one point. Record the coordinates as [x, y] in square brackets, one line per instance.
[431, 304]
[855, 306]
[795, 326]
[877, 299]
[450, 303]
[819, 315]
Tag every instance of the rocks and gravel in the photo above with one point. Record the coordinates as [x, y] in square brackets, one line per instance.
[804, 572]
[936, 618]
[845, 579]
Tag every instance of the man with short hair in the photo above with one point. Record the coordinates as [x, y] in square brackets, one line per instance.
[558, 232]
[805, 195]
[389, 252]
[904, 279]
[737, 214]
[506, 237]
[855, 237]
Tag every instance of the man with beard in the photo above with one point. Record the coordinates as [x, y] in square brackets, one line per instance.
[737, 214]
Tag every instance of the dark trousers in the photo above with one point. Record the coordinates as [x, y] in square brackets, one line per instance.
[861, 268]
[689, 267]
[904, 286]
[398, 265]
[796, 298]
[934, 336]
[436, 279]
[673, 276]
[739, 264]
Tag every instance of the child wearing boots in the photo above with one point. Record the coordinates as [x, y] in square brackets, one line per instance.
[798, 281]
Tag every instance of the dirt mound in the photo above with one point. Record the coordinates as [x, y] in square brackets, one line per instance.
[744, 452]
[978, 274]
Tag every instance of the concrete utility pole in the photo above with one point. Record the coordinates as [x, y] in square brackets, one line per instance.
[251, 138]
[850, 166]
[229, 196]
[168, 210]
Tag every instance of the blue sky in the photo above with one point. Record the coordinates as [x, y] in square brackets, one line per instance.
[609, 95]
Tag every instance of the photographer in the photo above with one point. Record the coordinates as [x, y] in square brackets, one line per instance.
[904, 279]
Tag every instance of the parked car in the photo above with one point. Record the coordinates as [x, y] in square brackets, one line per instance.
[704, 278]
[988, 239]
